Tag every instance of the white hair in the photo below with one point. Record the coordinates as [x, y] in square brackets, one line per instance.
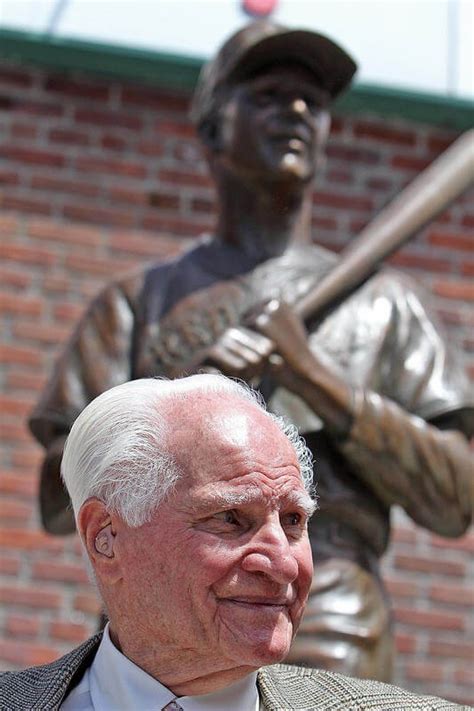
[116, 448]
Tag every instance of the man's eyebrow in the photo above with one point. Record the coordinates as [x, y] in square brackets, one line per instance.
[230, 499]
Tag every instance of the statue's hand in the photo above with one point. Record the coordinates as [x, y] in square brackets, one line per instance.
[279, 323]
[240, 352]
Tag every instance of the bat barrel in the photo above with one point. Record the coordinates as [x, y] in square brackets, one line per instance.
[419, 203]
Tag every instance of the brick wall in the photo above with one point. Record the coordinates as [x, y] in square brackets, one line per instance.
[97, 177]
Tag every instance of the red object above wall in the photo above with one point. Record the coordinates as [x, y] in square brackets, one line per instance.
[259, 8]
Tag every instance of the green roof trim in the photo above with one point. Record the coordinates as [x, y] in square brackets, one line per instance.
[179, 73]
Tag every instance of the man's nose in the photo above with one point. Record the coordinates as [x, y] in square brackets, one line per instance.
[298, 106]
[270, 553]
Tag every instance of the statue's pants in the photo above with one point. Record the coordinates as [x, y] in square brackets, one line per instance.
[346, 626]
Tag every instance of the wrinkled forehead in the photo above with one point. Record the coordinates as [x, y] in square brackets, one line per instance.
[215, 430]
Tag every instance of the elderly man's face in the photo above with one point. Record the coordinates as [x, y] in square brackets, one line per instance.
[274, 126]
[222, 572]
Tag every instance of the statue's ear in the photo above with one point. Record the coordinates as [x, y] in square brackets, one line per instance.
[210, 134]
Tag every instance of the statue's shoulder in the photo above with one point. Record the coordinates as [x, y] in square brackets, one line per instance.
[292, 687]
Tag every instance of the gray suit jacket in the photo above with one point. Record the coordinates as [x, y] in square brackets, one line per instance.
[281, 687]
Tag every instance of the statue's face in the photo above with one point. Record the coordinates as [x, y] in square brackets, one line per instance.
[273, 126]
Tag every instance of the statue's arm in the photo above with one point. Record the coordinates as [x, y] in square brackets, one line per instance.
[96, 358]
[404, 459]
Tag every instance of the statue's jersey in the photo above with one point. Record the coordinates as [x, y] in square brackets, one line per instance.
[162, 321]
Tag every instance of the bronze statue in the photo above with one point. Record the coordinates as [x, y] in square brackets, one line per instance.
[380, 398]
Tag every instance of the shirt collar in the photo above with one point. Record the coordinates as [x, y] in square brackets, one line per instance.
[118, 683]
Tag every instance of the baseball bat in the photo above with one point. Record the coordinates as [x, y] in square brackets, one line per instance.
[419, 203]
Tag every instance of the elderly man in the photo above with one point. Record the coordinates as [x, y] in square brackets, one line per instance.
[371, 386]
[192, 503]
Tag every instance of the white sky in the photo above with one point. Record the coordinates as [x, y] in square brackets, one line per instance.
[424, 45]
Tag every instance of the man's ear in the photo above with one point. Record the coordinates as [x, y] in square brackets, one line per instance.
[97, 530]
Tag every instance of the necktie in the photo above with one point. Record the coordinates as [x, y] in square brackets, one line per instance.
[172, 706]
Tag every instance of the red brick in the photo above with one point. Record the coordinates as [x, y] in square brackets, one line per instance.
[109, 118]
[114, 167]
[88, 603]
[9, 177]
[401, 588]
[418, 261]
[458, 650]
[59, 185]
[145, 245]
[425, 671]
[450, 240]
[339, 177]
[15, 304]
[61, 572]
[352, 154]
[439, 620]
[39, 108]
[383, 133]
[465, 677]
[438, 143]
[408, 162]
[40, 333]
[31, 457]
[462, 290]
[455, 594]
[69, 137]
[113, 143]
[77, 88]
[467, 269]
[68, 312]
[16, 355]
[343, 201]
[15, 430]
[26, 653]
[175, 226]
[21, 380]
[98, 215]
[56, 284]
[23, 130]
[323, 223]
[16, 202]
[154, 99]
[468, 221]
[29, 540]
[26, 597]
[379, 183]
[69, 631]
[464, 543]
[9, 224]
[14, 279]
[62, 232]
[32, 156]
[27, 255]
[427, 565]
[165, 201]
[150, 148]
[174, 128]
[92, 265]
[15, 512]
[127, 195]
[9, 566]
[17, 482]
[15, 405]
[22, 626]
[16, 77]
[405, 643]
[181, 177]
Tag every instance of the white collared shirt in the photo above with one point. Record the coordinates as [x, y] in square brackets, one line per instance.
[114, 683]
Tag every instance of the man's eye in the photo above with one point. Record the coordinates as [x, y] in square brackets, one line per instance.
[294, 519]
[227, 517]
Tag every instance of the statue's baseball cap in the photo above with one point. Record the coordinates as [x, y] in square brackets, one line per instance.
[263, 44]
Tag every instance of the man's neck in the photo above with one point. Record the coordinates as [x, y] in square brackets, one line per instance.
[264, 220]
[195, 676]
